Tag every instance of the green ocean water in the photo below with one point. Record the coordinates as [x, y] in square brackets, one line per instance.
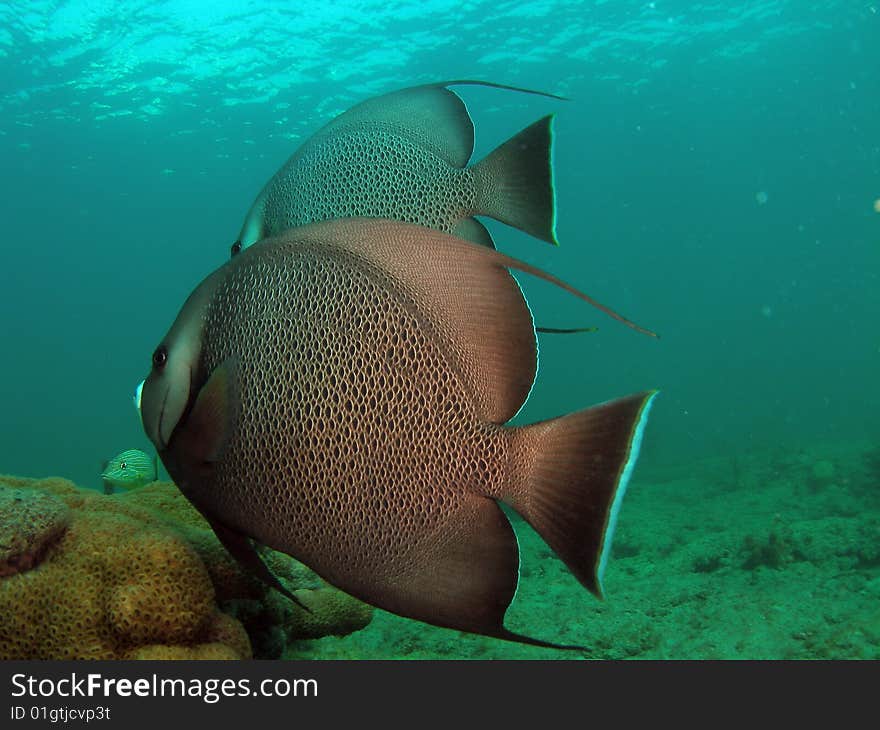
[717, 167]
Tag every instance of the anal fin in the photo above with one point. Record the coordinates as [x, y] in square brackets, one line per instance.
[467, 580]
[564, 330]
[470, 229]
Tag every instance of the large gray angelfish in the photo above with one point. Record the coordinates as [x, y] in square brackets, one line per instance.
[339, 393]
[404, 156]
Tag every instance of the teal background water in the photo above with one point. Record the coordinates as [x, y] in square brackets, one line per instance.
[716, 169]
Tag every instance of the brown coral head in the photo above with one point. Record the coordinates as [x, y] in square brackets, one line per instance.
[30, 522]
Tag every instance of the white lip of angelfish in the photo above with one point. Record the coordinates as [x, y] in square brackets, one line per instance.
[136, 398]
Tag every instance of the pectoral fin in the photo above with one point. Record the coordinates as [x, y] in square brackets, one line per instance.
[213, 415]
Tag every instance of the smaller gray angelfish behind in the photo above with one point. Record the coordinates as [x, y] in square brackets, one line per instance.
[404, 156]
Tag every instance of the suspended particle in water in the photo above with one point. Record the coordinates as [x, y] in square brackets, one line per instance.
[877, 205]
[761, 197]
[767, 311]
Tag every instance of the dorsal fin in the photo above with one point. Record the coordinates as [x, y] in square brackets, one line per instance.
[430, 115]
[466, 296]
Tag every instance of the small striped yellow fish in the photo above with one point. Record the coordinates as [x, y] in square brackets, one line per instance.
[129, 470]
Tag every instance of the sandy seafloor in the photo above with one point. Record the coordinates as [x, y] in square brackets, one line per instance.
[771, 555]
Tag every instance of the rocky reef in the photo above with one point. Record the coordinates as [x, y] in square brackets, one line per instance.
[140, 575]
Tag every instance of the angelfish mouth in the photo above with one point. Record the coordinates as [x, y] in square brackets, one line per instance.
[138, 392]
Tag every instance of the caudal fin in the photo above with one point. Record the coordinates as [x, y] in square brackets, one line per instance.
[570, 476]
[515, 182]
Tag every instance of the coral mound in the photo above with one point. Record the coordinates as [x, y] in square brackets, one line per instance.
[140, 575]
[29, 523]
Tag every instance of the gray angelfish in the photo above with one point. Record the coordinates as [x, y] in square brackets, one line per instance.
[404, 156]
[339, 393]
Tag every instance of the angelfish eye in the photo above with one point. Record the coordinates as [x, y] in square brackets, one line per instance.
[236, 247]
[160, 357]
